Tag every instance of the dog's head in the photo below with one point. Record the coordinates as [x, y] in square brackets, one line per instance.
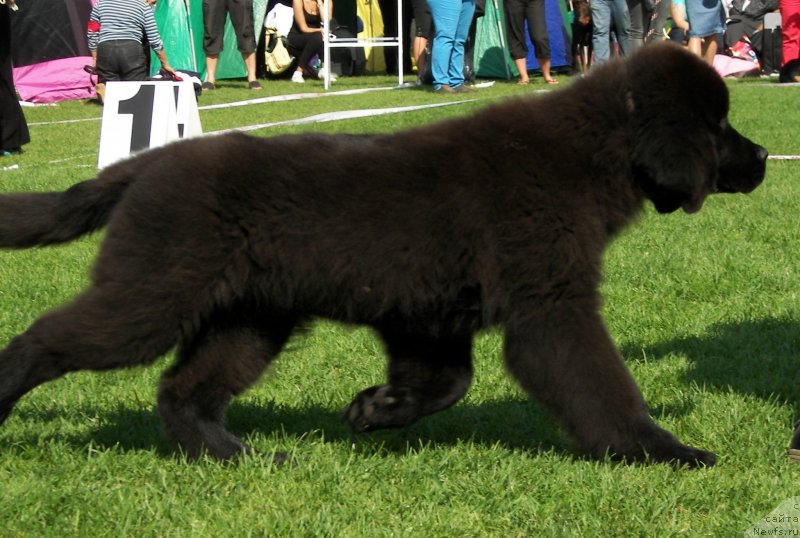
[683, 146]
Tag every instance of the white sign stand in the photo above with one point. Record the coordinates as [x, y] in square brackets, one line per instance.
[143, 115]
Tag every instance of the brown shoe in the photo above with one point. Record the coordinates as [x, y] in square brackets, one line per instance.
[444, 88]
[464, 89]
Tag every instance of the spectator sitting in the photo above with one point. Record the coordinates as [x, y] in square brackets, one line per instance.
[306, 36]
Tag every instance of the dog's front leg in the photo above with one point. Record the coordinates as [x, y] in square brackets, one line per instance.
[563, 356]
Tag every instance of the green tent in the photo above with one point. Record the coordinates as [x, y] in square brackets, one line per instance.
[180, 23]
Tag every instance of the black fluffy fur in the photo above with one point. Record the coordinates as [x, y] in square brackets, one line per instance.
[223, 245]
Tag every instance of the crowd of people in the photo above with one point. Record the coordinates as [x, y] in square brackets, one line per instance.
[120, 32]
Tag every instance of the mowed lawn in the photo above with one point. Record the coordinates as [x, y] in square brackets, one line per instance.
[705, 309]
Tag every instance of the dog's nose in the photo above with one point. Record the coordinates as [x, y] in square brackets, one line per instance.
[762, 154]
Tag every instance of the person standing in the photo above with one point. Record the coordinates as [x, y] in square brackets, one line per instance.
[115, 33]
[13, 127]
[214, 15]
[532, 11]
[790, 27]
[451, 22]
[706, 25]
[422, 34]
[604, 12]
[648, 19]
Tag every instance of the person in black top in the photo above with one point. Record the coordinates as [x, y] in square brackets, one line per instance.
[305, 37]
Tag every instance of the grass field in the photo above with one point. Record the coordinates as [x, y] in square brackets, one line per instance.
[705, 309]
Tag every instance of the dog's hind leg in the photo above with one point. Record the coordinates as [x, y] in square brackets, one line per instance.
[99, 330]
[226, 358]
[426, 375]
[563, 357]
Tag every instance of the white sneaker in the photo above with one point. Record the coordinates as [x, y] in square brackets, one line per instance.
[297, 76]
[322, 72]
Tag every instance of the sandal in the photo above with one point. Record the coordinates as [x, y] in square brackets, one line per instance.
[550, 81]
[523, 82]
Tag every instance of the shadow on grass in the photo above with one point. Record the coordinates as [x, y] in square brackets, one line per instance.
[513, 424]
[755, 357]
[758, 358]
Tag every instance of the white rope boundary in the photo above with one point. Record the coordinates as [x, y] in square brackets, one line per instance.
[338, 116]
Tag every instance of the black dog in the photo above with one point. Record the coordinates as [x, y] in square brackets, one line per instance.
[790, 72]
[222, 246]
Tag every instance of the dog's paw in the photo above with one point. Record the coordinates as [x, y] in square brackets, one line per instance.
[693, 458]
[381, 407]
[660, 446]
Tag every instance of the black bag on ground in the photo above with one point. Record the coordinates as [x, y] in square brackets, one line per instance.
[770, 55]
[347, 61]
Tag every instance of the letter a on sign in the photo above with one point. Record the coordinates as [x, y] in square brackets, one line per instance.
[142, 115]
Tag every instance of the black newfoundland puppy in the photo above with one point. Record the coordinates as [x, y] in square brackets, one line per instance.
[223, 245]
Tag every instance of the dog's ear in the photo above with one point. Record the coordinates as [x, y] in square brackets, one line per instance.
[677, 104]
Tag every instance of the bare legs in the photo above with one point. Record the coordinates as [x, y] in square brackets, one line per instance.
[213, 61]
[544, 63]
[705, 47]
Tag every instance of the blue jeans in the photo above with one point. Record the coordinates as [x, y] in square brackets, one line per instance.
[451, 20]
[602, 12]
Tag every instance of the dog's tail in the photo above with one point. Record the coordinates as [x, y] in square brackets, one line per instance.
[46, 218]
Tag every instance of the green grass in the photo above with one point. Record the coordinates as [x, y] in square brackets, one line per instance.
[704, 309]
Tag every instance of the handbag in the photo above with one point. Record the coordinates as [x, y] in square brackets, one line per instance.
[276, 53]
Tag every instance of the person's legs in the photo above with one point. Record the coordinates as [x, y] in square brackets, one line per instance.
[309, 45]
[422, 24]
[214, 14]
[445, 15]
[537, 28]
[639, 22]
[462, 32]
[241, 12]
[655, 29]
[709, 48]
[211, 68]
[515, 29]
[13, 127]
[601, 29]
[790, 28]
[622, 22]
[695, 46]
[522, 67]
[250, 65]
[419, 46]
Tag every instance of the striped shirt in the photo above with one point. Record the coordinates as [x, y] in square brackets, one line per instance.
[122, 19]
